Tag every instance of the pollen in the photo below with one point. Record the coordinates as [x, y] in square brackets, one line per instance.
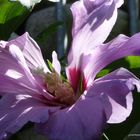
[62, 91]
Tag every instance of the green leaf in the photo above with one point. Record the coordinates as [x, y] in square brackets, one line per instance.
[134, 61]
[49, 65]
[102, 73]
[131, 62]
[12, 14]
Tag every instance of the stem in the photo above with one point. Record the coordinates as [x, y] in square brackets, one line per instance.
[133, 14]
[105, 136]
[61, 28]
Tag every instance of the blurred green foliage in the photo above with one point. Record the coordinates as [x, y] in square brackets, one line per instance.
[27, 133]
[12, 14]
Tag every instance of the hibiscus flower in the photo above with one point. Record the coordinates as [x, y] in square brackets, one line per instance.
[79, 107]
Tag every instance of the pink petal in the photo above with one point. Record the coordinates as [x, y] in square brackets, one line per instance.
[120, 113]
[15, 74]
[118, 86]
[85, 120]
[92, 23]
[104, 54]
[16, 110]
[13, 66]
[95, 13]
[31, 52]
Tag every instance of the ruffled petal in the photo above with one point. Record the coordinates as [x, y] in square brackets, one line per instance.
[31, 52]
[118, 86]
[92, 23]
[119, 2]
[16, 110]
[94, 14]
[15, 75]
[85, 120]
[9, 85]
[104, 54]
[13, 68]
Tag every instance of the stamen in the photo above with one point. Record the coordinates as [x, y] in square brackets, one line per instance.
[62, 91]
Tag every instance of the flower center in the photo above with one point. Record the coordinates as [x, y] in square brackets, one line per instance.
[62, 91]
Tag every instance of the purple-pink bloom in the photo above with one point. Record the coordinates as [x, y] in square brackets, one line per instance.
[80, 108]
